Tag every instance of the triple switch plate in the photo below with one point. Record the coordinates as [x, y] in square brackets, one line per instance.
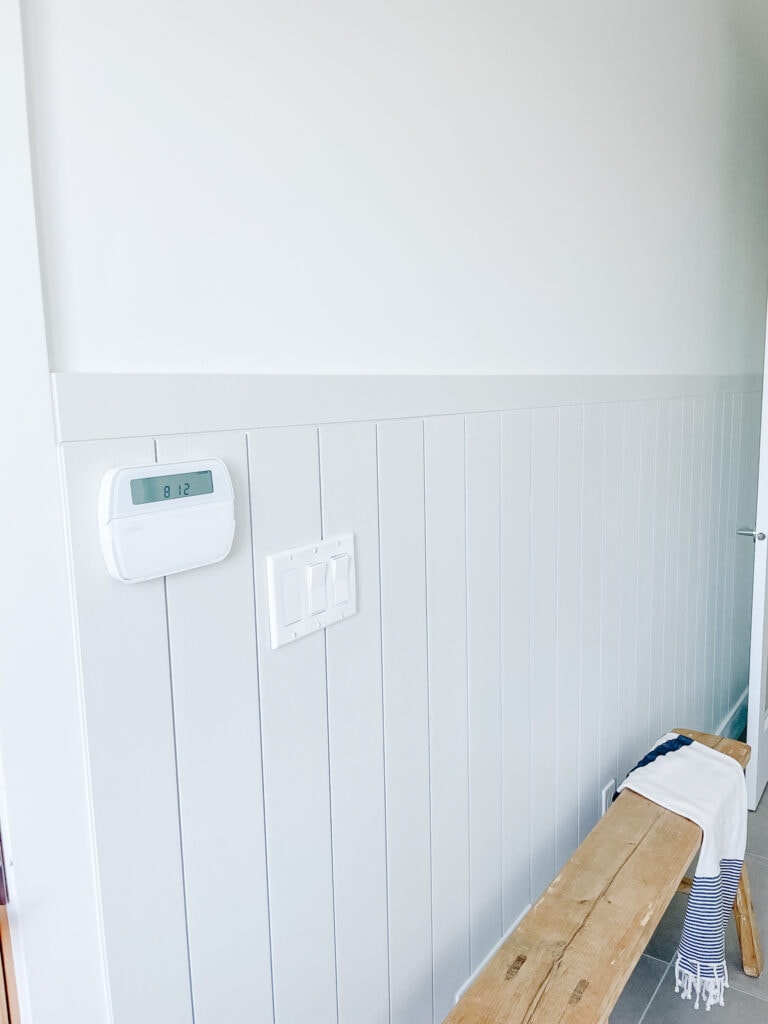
[311, 588]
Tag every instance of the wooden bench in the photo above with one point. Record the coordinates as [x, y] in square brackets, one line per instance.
[572, 954]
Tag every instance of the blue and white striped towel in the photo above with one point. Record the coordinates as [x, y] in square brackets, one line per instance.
[708, 787]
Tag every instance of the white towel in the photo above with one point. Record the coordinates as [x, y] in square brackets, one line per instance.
[708, 787]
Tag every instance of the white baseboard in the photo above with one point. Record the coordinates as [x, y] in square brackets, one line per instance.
[735, 721]
[478, 970]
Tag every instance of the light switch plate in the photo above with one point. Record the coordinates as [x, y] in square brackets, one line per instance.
[290, 578]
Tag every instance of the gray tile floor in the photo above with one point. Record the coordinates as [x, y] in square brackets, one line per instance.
[650, 993]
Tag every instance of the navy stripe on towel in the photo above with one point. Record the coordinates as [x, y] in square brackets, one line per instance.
[660, 751]
[702, 945]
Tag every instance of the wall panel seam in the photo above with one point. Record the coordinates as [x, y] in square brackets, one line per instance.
[383, 736]
[429, 724]
[261, 716]
[328, 735]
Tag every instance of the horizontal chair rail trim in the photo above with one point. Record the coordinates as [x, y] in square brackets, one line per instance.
[97, 406]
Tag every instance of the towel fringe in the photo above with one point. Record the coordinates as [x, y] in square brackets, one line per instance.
[710, 989]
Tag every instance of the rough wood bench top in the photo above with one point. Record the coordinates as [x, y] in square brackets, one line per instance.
[569, 959]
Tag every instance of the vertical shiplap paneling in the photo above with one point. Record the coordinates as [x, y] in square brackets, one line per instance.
[749, 512]
[656, 715]
[127, 698]
[571, 441]
[722, 565]
[356, 730]
[721, 681]
[628, 586]
[682, 682]
[729, 536]
[543, 640]
[591, 617]
[406, 718]
[702, 526]
[611, 592]
[211, 621]
[730, 561]
[714, 568]
[640, 735]
[483, 456]
[445, 512]
[285, 504]
[740, 568]
[745, 548]
[693, 680]
[672, 614]
[515, 663]
[568, 575]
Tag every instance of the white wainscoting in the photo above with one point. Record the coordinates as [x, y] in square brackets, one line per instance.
[341, 829]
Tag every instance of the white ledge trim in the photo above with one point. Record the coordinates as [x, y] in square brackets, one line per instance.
[96, 406]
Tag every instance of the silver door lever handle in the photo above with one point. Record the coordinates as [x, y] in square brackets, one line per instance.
[746, 532]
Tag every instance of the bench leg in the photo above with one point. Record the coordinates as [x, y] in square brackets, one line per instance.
[746, 927]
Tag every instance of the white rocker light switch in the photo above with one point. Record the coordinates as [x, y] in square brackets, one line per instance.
[340, 578]
[316, 588]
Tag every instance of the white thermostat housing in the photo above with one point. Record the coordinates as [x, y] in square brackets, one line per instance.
[164, 518]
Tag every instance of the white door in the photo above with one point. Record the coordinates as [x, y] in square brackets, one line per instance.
[757, 721]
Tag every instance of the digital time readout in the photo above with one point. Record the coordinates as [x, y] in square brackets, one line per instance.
[166, 488]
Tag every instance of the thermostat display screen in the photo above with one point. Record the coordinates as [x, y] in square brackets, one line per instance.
[166, 488]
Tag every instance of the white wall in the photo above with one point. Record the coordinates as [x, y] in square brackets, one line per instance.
[45, 817]
[297, 187]
[477, 186]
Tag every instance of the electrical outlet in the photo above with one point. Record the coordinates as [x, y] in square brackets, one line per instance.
[606, 795]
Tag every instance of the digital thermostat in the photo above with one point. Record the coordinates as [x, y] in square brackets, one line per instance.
[159, 519]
